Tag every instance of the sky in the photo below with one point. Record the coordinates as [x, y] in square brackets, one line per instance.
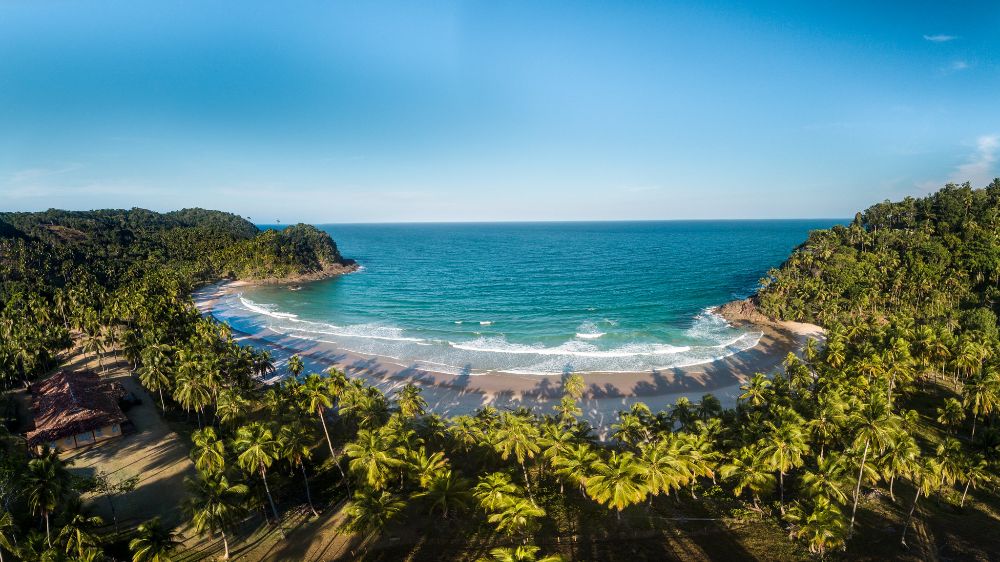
[474, 111]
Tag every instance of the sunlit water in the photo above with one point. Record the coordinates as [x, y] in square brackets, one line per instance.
[539, 298]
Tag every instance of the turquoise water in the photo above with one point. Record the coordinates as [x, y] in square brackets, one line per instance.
[532, 297]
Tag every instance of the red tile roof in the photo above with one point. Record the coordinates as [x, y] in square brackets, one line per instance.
[69, 403]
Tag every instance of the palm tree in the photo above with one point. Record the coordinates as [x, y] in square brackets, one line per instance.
[518, 515]
[191, 390]
[517, 437]
[263, 364]
[78, 534]
[751, 471]
[951, 414]
[47, 483]
[568, 410]
[316, 394]
[153, 542]
[574, 385]
[427, 466]
[371, 510]
[214, 504]
[784, 448]
[231, 406]
[296, 447]
[411, 404]
[495, 490]
[94, 343]
[982, 395]
[757, 391]
[631, 429]
[835, 352]
[208, 451]
[662, 468]
[446, 492]
[899, 459]
[295, 365]
[575, 464]
[875, 425]
[927, 478]
[822, 528]
[618, 482]
[7, 530]
[828, 420]
[373, 457]
[257, 449]
[974, 471]
[828, 480]
[523, 553]
[155, 371]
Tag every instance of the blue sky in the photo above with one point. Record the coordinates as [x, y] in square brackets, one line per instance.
[371, 111]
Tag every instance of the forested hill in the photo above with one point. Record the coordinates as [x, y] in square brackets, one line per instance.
[933, 260]
[113, 246]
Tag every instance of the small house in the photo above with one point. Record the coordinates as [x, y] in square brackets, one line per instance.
[75, 409]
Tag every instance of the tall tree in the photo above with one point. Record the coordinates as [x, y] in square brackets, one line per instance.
[257, 448]
[153, 542]
[214, 505]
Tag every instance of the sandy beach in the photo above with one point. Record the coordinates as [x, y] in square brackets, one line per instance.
[606, 394]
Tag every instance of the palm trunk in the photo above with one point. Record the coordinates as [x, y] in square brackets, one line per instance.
[527, 484]
[961, 504]
[909, 517]
[892, 481]
[781, 487]
[48, 534]
[274, 509]
[225, 546]
[333, 455]
[857, 489]
[163, 407]
[974, 419]
[305, 478]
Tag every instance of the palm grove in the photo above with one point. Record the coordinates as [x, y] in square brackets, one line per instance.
[897, 403]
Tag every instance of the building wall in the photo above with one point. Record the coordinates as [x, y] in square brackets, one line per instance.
[88, 438]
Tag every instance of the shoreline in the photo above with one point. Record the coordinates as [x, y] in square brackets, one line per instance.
[605, 394]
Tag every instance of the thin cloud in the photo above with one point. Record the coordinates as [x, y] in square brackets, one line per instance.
[980, 167]
[940, 38]
[31, 174]
[959, 65]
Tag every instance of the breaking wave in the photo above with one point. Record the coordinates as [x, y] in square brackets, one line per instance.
[585, 349]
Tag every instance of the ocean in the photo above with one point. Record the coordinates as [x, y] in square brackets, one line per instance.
[531, 298]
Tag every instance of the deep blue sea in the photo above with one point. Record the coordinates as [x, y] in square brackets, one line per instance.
[532, 297]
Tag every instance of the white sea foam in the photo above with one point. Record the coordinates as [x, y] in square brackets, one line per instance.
[709, 338]
[486, 323]
[499, 344]
[364, 331]
[266, 309]
[588, 331]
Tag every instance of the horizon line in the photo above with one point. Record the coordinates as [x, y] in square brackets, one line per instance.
[552, 221]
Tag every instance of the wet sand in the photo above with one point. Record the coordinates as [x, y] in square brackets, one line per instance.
[606, 394]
